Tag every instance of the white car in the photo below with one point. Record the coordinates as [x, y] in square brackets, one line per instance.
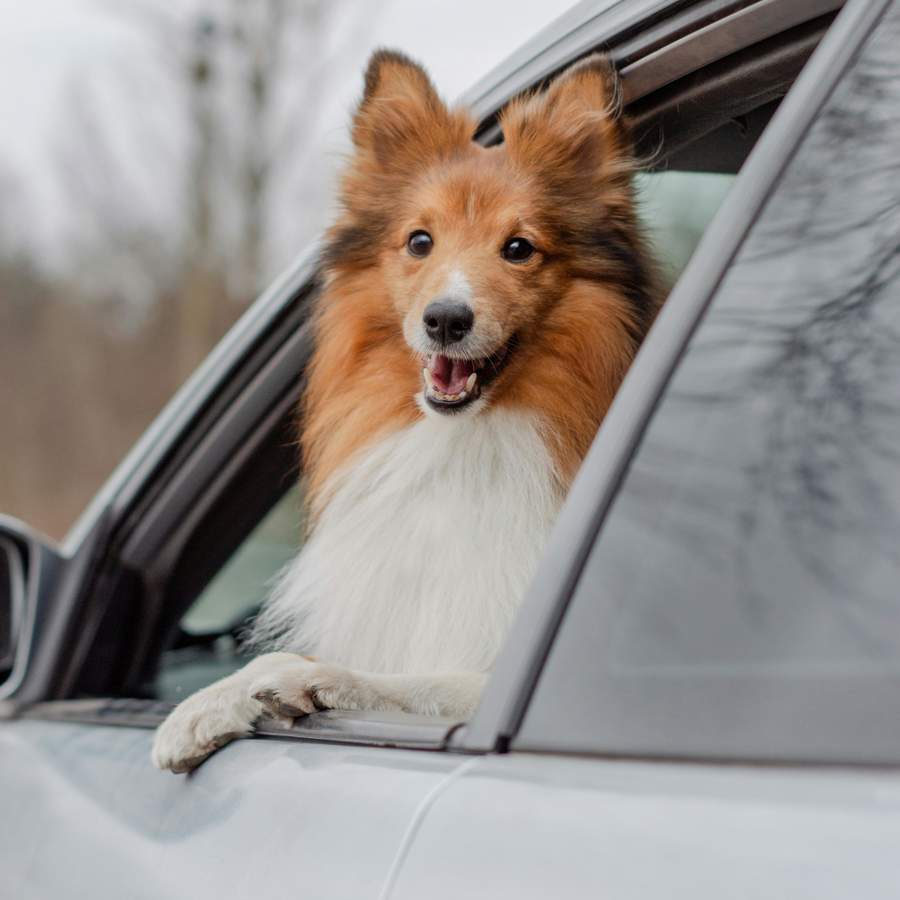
[701, 695]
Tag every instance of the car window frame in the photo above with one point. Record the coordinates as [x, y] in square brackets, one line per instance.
[511, 689]
[153, 551]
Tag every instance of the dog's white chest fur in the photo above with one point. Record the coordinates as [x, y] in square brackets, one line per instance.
[422, 555]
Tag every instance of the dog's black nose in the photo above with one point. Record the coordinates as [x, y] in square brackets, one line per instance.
[447, 321]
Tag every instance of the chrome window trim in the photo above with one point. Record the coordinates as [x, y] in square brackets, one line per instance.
[363, 728]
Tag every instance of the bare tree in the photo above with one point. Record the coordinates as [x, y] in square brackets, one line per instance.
[170, 163]
[239, 79]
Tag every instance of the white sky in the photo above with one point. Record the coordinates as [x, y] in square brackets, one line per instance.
[47, 44]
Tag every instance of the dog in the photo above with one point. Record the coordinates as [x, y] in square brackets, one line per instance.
[480, 307]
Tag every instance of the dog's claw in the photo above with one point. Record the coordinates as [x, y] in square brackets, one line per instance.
[276, 707]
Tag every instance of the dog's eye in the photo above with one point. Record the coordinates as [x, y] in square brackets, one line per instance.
[419, 243]
[517, 250]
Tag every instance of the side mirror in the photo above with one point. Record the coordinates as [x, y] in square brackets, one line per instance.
[12, 601]
[30, 566]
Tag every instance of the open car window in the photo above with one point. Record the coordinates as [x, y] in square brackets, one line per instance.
[676, 206]
[677, 200]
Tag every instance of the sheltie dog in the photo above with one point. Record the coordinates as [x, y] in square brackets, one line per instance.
[479, 310]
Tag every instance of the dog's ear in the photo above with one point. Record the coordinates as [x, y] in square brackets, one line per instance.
[574, 130]
[401, 121]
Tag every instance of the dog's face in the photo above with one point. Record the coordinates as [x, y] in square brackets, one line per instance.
[465, 273]
[476, 247]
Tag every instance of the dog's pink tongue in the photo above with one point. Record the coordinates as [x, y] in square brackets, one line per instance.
[450, 375]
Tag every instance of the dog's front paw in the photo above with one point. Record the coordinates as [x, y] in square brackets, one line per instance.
[305, 687]
[202, 724]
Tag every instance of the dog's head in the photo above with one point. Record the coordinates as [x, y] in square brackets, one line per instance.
[476, 248]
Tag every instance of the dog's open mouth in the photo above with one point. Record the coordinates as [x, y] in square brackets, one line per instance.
[451, 384]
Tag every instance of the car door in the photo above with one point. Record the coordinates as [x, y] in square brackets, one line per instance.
[341, 797]
[717, 712]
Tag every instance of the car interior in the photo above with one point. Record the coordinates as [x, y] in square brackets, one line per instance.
[191, 563]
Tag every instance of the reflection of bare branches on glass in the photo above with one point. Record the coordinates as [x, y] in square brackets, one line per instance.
[775, 459]
[831, 239]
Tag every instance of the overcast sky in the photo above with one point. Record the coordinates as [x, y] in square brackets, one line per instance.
[46, 45]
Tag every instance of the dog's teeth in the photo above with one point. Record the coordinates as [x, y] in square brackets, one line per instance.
[462, 395]
[427, 376]
[470, 381]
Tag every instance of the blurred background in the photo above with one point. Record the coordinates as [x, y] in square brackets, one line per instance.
[160, 162]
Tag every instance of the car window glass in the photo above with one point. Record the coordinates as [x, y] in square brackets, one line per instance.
[241, 584]
[744, 593]
[676, 208]
[209, 645]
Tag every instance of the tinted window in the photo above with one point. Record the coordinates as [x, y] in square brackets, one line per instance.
[209, 643]
[744, 594]
[676, 208]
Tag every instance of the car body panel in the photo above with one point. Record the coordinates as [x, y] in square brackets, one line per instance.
[85, 814]
[534, 827]
[84, 817]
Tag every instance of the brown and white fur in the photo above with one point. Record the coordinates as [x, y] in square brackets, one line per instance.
[430, 513]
